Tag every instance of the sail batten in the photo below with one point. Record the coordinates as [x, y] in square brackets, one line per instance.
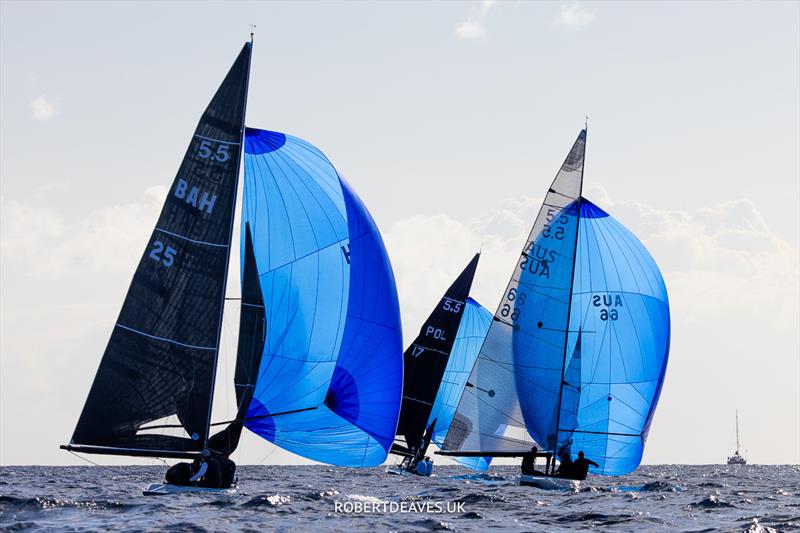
[161, 358]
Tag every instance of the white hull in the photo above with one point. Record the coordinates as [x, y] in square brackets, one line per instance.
[550, 483]
[159, 489]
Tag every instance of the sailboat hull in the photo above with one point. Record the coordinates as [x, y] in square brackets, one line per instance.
[424, 469]
[161, 489]
[549, 483]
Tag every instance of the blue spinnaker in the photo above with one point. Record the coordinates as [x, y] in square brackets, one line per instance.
[471, 332]
[576, 354]
[333, 338]
[620, 305]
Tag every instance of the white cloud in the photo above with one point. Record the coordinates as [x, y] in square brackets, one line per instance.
[485, 6]
[472, 28]
[42, 108]
[43, 245]
[574, 16]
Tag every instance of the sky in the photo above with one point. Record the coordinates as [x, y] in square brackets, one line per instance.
[450, 119]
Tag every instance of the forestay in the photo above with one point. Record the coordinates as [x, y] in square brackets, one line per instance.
[333, 338]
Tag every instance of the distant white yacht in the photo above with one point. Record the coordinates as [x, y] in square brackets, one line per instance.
[737, 458]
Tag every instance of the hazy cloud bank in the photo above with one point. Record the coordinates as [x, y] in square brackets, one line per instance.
[732, 283]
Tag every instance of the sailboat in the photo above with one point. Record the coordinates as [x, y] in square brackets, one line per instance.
[575, 357]
[737, 458]
[319, 359]
[428, 365]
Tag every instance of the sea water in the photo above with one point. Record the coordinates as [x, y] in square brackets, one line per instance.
[314, 498]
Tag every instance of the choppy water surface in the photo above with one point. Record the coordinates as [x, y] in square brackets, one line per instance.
[296, 498]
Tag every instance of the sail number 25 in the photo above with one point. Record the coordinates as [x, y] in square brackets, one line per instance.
[163, 254]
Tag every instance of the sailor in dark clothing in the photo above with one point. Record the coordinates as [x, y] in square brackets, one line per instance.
[209, 470]
[566, 468]
[580, 467]
[529, 462]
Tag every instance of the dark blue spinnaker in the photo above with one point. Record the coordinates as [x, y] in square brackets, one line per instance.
[333, 336]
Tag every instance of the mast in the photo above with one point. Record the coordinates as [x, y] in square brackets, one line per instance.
[571, 288]
[737, 432]
[230, 238]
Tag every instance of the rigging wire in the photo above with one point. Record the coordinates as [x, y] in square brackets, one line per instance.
[107, 469]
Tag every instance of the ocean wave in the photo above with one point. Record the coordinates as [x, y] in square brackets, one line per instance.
[12, 503]
[475, 498]
[711, 502]
[272, 500]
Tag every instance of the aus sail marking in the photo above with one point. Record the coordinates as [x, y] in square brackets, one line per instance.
[609, 303]
[537, 259]
[346, 252]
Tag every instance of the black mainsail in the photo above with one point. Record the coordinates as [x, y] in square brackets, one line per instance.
[162, 356]
[424, 362]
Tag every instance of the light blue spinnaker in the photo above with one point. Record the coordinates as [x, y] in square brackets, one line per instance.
[471, 332]
[333, 337]
[619, 301]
